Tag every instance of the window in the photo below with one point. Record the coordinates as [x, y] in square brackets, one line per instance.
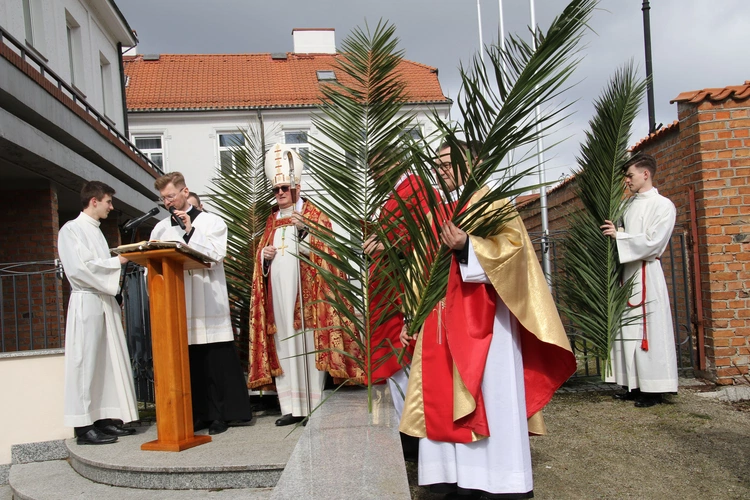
[75, 51]
[152, 147]
[297, 141]
[33, 24]
[28, 24]
[105, 70]
[326, 75]
[229, 156]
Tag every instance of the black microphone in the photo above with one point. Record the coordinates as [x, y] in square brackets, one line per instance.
[176, 219]
[139, 220]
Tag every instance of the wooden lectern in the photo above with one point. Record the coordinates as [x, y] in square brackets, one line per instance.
[166, 286]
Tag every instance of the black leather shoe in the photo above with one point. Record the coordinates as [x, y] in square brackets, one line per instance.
[288, 419]
[115, 430]
[625, 396]
[95, 436]
[199, 425]
[217, 427]
[648, 400]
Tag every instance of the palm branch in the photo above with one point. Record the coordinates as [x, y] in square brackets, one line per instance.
[242, 197]
[498, 116]
[589, 285]
[363, 123]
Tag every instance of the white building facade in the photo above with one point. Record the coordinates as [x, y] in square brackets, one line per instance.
[194, 135]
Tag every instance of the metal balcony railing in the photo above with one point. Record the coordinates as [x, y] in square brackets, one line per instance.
[31, 58]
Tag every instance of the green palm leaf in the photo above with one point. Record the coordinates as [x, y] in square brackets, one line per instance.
[363, 123]
[242, 197]
[498, 115]
[592, 295]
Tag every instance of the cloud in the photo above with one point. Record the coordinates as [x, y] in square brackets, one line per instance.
[695, 43]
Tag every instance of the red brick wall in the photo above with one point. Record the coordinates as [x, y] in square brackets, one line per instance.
[723, 213]
[30, 235]
[708, 150]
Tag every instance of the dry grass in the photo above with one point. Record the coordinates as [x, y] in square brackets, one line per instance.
[689, 448]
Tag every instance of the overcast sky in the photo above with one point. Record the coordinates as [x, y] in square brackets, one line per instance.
[696, 44]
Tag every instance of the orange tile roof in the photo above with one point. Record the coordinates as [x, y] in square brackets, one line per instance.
[736, 92]
[672, 127]
[241, 81]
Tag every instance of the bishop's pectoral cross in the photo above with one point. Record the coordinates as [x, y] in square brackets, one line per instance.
[283, 238]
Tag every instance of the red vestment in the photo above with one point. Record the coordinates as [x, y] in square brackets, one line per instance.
[386, 319]
[332, 342]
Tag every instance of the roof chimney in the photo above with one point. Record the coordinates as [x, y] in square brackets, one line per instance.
[314, 40]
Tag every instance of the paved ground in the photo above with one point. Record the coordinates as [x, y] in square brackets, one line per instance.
[693, 447]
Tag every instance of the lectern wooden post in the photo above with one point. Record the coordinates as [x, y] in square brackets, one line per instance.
[174, 407]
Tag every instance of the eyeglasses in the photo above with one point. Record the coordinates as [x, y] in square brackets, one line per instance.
[283, 189]
[169, 197]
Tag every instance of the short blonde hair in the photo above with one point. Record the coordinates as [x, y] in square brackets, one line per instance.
[174, 178]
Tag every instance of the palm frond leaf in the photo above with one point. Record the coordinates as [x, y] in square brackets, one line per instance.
[242, 197]
[498, 110]
[592, 295]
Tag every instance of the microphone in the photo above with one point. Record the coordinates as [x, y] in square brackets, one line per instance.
[176, 219]
[139, 220]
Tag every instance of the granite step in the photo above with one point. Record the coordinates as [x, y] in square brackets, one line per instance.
[250, 456]
[56, 480]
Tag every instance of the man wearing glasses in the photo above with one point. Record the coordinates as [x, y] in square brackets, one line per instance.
[218, 385]
[286, 354]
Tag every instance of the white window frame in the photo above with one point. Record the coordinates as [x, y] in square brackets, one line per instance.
[297, 147]
[105, 71]
[227, 149]
[151, 152]
[75, 51]
[33, 23]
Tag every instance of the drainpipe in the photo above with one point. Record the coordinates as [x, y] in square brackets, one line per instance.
[262, 132]
[122, 92]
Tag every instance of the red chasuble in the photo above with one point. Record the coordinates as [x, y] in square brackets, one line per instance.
[445, 401]
[386, 319]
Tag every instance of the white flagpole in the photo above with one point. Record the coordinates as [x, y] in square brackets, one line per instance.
[546, 257]
[479, 20]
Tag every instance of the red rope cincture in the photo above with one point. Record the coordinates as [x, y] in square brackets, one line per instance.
[642, 305]
[644, 340]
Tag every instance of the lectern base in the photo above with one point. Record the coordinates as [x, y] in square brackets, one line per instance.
[177, 445]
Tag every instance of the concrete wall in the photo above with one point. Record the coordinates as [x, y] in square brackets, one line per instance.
[33, 401]
[98, 42]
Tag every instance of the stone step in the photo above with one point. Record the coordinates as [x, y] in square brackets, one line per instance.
[250, 456]
[56, 480]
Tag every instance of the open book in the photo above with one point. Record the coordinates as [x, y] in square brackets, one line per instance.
[143, 246]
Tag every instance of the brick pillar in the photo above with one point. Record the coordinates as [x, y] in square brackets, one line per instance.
[724, 234]
[30, 301]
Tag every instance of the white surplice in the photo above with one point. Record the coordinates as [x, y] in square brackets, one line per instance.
[500, 463]
[206, 298]
[284, 275]
[648, 224]
[98, 376]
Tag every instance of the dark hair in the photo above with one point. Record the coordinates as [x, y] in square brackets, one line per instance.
[197, 198]
[174, 178]
[94, 189]
[641, 160]
[472, 146]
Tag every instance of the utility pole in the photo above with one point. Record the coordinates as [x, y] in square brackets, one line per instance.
[649, 70]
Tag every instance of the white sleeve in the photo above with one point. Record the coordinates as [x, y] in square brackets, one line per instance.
[472, 271]
[210, 237]
[165, 231]
[83, 267]
[649, 244]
